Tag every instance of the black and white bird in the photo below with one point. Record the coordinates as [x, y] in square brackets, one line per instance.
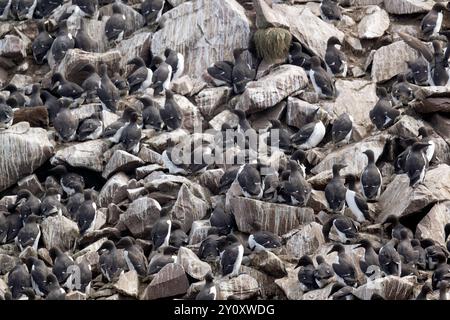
[161, 76]
[65, 88]
[41, 44]
[231, 256]
[335, 59]
[131, 134]
[45, 7]
[324, 273]
[297, 57]
[55, 292]
[369, 263]
[176, 61]
[383, 115]
[14, 222]
[341, 131]
[222, 220]
[311, 134]
[83, 40]
[151, 117]
[416, 163]
[152, 10]
[432, 22]
[306, 273]
[68, 180]
[296, 188]
[114, 130]
[424, 291]
[439, 66]
[61, 264]
[52, 104]
[209, 290]
[228, 178]
[51, 203]
[402, 92]
[160, 233]
[141, 78]
[441, 273]
[355, 201]
[395, 227]
[171, 113]
[19, 279]
[35, 97]
[39, 273]
[420, 71]
[86, 215]
[321, 80]
[335, 190]
[371, 178]
[389, 259]
[242, 72]
[65, 122]
[6, 115]
[221, 73]
[26, 204]
[340, 228]
[406, 250]
[16, 98]
[90, 128]
[278, 136]
[116, 25]
[30, 234]
[425, 134]
[330, 11]
[343, 268]
[63, 42]
[121, 83]
[159, 260]
[107, 92]
[261, 240]
[249, 180]
[112, 261]
[134, 255]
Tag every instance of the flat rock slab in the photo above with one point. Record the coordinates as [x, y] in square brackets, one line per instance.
[193, 266]
[374, 23]
[170, 281]
[60, 232]
[432, 225]
[239, 288]
[114, 190]
[407, 6]
[121, 161]
[141, 213]
[306, 240]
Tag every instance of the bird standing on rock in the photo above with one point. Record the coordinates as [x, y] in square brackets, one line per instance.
[335, 60]
[432, 22]
[344, 269]
[231, 256]
[416, 163]
[176, 61]
[335, 190]
[151, 116]
[171, 114]
[341, 131]
[383, 115]
[161, 76]
[330, 11]
[65, 122]
[131, 135]
[107, 91]
[322, 82]
[41, 44]
[356, 203]
[371, 178]
[116, 24]
[63, 42]
[141, 78]
[6, 115]
[242, 72]
[311, 134]
[30, 234]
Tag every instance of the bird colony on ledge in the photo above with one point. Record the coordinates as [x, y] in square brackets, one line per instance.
[314, 140]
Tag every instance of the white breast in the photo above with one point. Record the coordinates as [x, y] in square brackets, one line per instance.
[350, 198]
[317, 135]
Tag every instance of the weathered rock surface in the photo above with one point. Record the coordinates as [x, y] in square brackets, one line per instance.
[60, 232]
[170, 281]
[389, 288]
[407, 6]
[188, 207]
[114, 190]
[432, 225]
[306, 240]
[239, 288]
[193, 266]
[269, 263]
[13, 47]
[121, 161]
[141, 213]
[374, 24]
[128, 284]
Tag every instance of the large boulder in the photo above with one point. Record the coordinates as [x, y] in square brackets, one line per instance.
[432, 225]
[188, 207]
[60, 232]
[389, 288]
[23, 150]
[114, 190]
[170, 281]
[374, 24]
[141, 213]
[193, 266]
[216, 27]
[239, 288]
[306, 240]
[407, 6]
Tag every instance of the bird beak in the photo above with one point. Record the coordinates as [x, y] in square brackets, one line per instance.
[332, 250]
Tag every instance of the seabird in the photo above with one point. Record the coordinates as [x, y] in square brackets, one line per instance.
[68, 180]
[341, 292]
[420, 70]
[51, 203]
[231, 256]
[400, 161]
[389, 259]
[439, 66]
[134, 255]
[116, 24]
[14, 222]
[341, 131]
[90, 128]
[141, 78]
[178, 238]
[278, 136]
[114, 130]
[297, 188]
[383, 115]
[160, 233]
[18, 280]
[61, 262]
[209, 291]
[52, 104]
[305, 274]
[405, 249]
[221, 73]
[55, 292]
[176, 61]
[172, 159]
[355, 201]
[311, 134]
[261, 240]
[63, 42]
[158, 260]
[151, 117]
[131, 134]
[335, 60]
[41, 44]
[227, 178]
[344, 269]
[66, 88]
[396, 227]
[432, 253]
[431, 23]
[75, 200]
[112, 261]
[107, 91]
[89, 7]
[27, 204]
[371, 178]
[83, 40]
[39, 273]
[121, 83]
[210, 246]
[30, 234]
[321, 80]
[335, 190]
[426, 135]
[242, 72]
[249, 180]
[6, 115]
[416, 163]
[171, 113]
[402, 93]
[422, 256]
[323, 274]
[35, 98]
[443, 287]
[442, 271]
[86, 215]
[222, 220]
[161, 76]
[369, 263]
[152, 10]
[424, 291]
[14, 96]
[330, 11]
[296, 55]
[65, 122]
[340, 228]
[271, 186]
[3, 228]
